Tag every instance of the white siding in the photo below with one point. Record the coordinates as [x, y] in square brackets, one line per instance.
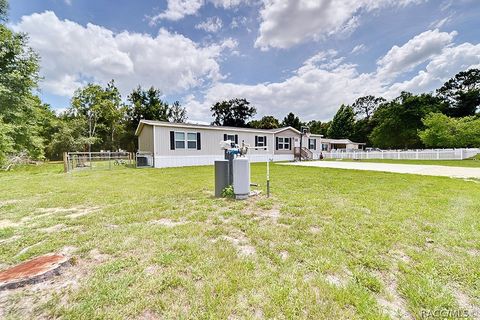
[288, 133]
[145, 139]
[209, 140]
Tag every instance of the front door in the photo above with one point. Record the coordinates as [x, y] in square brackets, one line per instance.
[296, 142]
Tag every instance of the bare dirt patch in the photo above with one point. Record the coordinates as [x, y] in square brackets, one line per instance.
[399, 255]
[26, 249]
[336, 280]
[97, 256]
[168, 222]
[25, 302]
[54, 228]
[82, 211]
[149, 315]
[8, 202]
[8, 224]
[392, 303]
[272, 214]
[465, 302]
[11, 239]
[315, 230]
[73, 212]
[241, 243]
[473, 252]
[284, 255]
[152, 270]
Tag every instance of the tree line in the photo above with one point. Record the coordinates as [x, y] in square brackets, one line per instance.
[446, 118]
[98, 118]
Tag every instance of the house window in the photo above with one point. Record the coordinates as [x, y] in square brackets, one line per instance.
[185, 140]
[192, 140]
[261, 141]
[312, 144]
[324, 147]
[283, 143]
[179, 140]
[231, 137]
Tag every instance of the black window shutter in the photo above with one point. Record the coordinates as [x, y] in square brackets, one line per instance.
[276, 143]
[236, 139]
[265, 141]
[199, 141]
[315, 144]
[290, 144]
[172, 140]
[256, 141]
[225, 137]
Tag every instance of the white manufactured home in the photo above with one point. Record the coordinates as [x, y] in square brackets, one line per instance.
[182, 144]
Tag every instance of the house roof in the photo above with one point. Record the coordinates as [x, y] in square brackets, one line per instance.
[237, 129]
[341, 141]
[208, 127]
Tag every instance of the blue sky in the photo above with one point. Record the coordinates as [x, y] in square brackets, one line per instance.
[282, 55]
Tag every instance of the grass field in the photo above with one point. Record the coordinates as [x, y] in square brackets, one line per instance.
[472, 163]
[154, 243]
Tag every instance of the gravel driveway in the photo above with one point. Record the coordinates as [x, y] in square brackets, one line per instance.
[428, 170]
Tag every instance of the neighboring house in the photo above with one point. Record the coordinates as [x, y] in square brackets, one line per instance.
[182, 144]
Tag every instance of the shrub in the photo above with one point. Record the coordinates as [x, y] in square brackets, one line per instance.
[228, 192]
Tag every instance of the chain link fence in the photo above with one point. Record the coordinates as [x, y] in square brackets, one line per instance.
[77, 161]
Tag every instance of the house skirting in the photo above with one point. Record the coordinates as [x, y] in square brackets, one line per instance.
[185, 161]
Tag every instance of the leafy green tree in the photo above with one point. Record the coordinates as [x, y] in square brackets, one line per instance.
[7, 145]
[234, 112]
[178, 114]
[462, 93]
[291, 120]
[442, 131]
[101, 109]
[19, 108]
[362, 130]
[70, 135]
[396, 124]
[342, 123]
[364, 107]
[318, 127]
[266, 122]
[144, 104]
[3, 11]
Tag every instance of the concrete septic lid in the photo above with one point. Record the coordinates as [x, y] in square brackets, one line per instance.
[32, 271]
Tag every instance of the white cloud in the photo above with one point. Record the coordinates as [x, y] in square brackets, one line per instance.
[238, 21]
[437, 24]
[325, 81]
[69, 2]
[212, 24]
[416, 51]
[358, 49]
[178, 9]
[73, 54]
[285, 23]
[442, 67]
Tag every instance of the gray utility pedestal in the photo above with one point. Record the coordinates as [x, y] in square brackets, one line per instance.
[241, 178]
[221, 176]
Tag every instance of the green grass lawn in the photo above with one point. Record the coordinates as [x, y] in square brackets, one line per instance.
[155, 243]
[473, 163]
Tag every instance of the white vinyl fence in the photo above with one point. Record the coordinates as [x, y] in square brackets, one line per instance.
[424, 154]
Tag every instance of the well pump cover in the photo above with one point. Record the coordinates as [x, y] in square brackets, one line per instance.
[241, 176]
